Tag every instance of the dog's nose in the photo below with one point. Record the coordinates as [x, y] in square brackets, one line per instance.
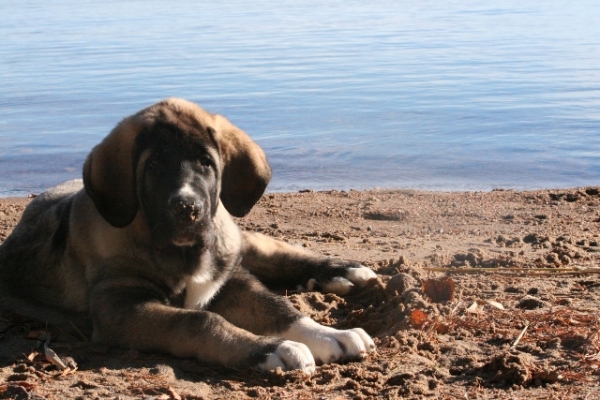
[185, 209]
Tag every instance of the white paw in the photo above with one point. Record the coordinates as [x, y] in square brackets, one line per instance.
[327, 344]
[339, 285]
[288, 356]
[360, 276]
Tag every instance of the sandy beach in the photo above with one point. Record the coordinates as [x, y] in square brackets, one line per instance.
[487, 295]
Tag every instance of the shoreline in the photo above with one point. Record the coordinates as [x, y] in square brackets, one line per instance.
[373, 189]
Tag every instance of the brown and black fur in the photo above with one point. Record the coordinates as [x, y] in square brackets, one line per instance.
[149, 225]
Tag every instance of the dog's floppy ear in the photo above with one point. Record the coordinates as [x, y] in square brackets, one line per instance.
[109, 174]
[246, 172]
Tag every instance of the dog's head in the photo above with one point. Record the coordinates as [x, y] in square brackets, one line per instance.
[172, 162]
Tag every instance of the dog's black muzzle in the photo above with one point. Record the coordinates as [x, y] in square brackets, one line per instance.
[185, 209]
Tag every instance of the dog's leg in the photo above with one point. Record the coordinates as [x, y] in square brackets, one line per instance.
[131, 312]
[278, 263]
[246, 303]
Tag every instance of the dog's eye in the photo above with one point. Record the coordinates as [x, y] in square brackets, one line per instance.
[205, 161]
[153, 163]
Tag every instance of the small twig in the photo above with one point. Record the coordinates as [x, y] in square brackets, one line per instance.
[456, 307]
[514, 345]
[79, 331]
[592, 357]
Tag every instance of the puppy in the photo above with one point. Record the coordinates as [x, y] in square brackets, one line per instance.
[146, 246]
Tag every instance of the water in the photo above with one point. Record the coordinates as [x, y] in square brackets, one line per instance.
[351, 94]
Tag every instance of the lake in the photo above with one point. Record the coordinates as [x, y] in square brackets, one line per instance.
[454, 95]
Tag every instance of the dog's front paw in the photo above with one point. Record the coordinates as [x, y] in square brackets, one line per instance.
[340, 277]
[329, 345]
[289, 356]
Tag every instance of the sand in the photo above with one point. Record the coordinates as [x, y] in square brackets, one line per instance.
[460, 277]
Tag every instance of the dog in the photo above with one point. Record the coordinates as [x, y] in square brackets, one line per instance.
[147, 247]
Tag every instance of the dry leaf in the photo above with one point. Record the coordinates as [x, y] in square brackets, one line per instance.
[439, 290]
[52, 357]
[442, 328]
[31, 356]
[418, 318]
[495, 304]
[473, 307]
